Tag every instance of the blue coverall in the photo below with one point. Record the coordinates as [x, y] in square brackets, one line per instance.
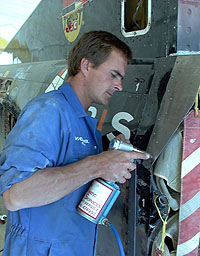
[52, 130]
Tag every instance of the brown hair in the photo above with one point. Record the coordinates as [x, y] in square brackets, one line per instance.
[95, 46]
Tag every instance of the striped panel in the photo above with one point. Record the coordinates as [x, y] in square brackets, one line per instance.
[189, 215]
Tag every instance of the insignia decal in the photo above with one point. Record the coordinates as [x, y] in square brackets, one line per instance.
[83, 141]
[72, 20]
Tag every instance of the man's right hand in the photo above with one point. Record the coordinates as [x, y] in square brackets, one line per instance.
[116, 165]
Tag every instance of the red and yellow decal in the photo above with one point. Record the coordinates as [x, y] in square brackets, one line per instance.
[72, 20]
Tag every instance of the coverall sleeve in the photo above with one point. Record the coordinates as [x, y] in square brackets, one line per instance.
[33, 143]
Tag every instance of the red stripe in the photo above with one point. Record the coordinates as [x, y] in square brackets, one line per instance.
[191, 132]
[189, 227]
[101, 121]
[62, 72]
[67, 3]
[191, 146]
[190, 184]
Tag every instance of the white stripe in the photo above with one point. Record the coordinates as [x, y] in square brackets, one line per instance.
[190, 162]
[189, 246]
[189, 207]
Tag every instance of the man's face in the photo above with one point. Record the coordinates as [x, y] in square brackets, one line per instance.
[104, 80]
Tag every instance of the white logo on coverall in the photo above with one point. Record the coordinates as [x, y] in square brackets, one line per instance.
[83, 142]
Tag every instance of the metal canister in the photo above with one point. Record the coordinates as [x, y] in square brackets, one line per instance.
[123, 146]
[98, 200]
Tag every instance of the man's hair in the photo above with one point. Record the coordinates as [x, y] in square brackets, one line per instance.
[95, 46]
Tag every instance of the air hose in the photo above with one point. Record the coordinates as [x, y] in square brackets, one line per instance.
[119, 243]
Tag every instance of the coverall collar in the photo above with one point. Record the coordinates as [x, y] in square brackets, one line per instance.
[72, 98]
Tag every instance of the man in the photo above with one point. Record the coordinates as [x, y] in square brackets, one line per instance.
[54, 152]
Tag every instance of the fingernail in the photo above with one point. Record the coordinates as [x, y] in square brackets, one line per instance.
[148, 155]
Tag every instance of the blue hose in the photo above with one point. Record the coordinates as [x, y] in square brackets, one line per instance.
[118, 239]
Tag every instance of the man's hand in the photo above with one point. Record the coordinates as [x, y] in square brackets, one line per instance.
[116, 165]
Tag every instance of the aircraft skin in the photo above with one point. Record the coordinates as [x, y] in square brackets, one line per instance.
[160, 86]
